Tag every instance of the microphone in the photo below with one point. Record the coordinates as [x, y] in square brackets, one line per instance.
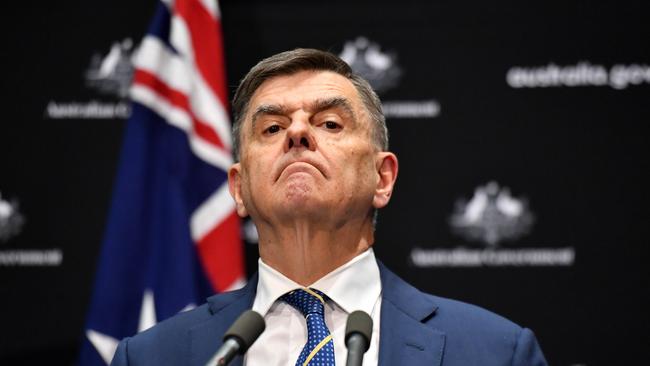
[239, 337]
[358, 331]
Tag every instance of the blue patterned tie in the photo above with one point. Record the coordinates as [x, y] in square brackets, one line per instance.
[319, 349]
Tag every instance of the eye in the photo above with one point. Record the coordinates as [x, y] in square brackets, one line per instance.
[272, 129]
[332, 125]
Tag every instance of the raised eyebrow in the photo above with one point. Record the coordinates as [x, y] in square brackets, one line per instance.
[320, 105]
[268, 109]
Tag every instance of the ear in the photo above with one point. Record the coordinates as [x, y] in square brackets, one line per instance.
[386, 165]
[234, 185]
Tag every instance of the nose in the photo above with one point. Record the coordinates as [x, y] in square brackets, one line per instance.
[299, 136]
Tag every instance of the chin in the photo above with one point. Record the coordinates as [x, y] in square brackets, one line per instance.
[300, 200]
[302, 203]
[299, 190]
[302, 196]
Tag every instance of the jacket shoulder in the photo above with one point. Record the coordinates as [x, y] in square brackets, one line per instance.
[473, 335]
[163, 342]
[467, 316]
[443, 312]
[168, 341]
[480, 334]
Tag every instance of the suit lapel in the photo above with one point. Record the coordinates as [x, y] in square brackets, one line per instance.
[405, 338]
[206, 337]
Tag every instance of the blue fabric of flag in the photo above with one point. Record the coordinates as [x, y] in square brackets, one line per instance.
[147, 244]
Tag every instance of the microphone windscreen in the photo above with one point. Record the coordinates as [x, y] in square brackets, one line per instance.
[359, 322]
[246, 328]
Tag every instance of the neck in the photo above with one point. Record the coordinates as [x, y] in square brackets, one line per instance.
[305, 252]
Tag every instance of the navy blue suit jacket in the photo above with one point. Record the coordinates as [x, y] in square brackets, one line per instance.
[416, 329]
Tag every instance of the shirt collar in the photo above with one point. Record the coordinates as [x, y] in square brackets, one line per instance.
[356, 285]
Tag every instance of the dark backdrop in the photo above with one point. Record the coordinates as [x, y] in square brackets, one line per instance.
[520, 129]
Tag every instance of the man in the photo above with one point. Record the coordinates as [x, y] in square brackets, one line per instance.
[313, 168]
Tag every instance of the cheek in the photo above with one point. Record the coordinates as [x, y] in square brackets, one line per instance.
[360, 172]
[253, 193]
[251, 183]
[254, 180]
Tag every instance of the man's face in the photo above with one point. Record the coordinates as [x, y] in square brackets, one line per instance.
[306, 152]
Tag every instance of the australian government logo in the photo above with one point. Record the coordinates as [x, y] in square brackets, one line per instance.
[107, 80]
[12, 223]
[382, 70]
[11, 219]
[492, 219]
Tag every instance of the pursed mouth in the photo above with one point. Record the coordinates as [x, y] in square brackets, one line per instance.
[300, 167]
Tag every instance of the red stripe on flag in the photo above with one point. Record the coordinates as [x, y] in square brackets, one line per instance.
[221, 253]
[207, 44]
[180, 100]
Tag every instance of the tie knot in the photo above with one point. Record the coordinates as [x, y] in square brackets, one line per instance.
[307, 301]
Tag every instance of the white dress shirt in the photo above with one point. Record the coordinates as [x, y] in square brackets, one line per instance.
[355, 285]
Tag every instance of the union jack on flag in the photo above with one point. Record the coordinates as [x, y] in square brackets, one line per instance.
[172, 237]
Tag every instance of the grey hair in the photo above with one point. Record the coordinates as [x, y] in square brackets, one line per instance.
[305, 59]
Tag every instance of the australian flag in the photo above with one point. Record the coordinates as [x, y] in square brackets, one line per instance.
[172, 237]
